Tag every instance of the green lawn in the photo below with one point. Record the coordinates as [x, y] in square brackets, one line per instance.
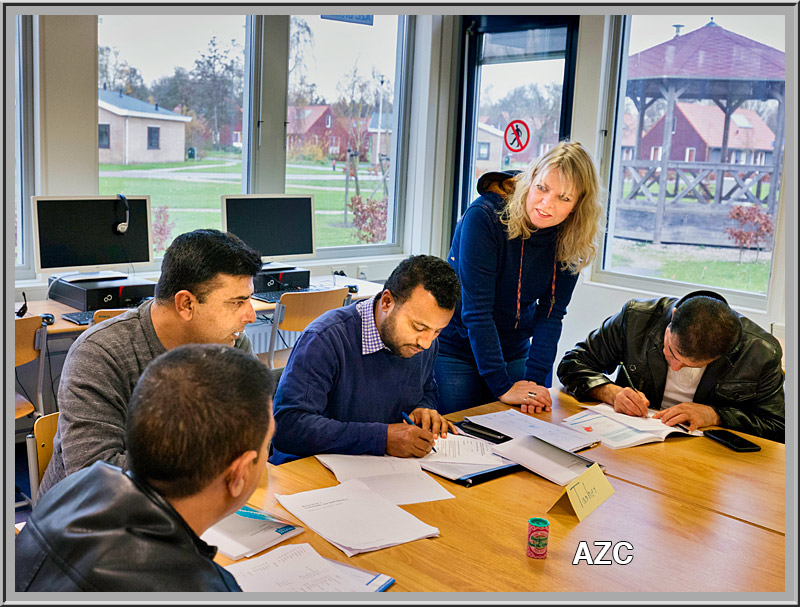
[696, 267]
[156, 165]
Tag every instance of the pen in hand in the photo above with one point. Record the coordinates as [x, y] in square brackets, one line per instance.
[628, 377]
[410, 421]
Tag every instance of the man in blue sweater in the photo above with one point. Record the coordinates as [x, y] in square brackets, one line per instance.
[355, 371]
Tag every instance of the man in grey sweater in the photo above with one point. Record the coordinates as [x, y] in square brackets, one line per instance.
[202, 296]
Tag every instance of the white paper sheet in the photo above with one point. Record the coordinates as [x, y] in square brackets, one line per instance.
[294, 568]
[648, 424]
[354, 518]
[399, 480]
[515, 424]
[554, 464]
[461, 450]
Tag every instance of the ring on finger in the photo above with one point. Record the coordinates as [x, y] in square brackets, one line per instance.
[532, 394]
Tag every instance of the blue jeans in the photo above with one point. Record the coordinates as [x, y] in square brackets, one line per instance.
[462, 387]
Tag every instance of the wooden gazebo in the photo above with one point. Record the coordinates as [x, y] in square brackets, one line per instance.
[710, 63]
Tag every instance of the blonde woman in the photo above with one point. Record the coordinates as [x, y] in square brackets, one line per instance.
[517, 251]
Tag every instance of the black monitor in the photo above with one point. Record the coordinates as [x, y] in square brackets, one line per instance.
[278, 226]
[84, 233]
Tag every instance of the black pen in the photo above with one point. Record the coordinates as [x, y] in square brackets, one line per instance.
[628, 377]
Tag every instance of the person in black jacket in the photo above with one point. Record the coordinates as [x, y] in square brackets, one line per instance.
[197, 436]
[695, 359]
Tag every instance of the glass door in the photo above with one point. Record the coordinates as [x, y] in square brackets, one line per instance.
[517, 91]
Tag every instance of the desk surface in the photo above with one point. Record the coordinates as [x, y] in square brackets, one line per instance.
[677, 546]
[691, 509]
[365, 289]
[746, 486]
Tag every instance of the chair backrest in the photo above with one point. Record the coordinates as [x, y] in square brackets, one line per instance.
[296, 311]
[40, 450]
[44, 429]
[101, 315]
[299, 309]
[25, 344]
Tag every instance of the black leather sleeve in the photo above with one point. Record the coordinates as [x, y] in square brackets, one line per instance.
[583, 367]
[755, 406]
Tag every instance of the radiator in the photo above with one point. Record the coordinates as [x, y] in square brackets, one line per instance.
[259, 332]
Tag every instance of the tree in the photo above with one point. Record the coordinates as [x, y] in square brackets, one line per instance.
[761, 230]
[118, 74]
[217, 87]
[355, 104]
[540, 104]
[173, 91]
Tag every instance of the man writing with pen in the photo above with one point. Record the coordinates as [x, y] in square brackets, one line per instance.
[357, 372]
[695, 360]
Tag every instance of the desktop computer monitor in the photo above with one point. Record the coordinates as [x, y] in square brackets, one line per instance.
[91, 233]
[278, 226]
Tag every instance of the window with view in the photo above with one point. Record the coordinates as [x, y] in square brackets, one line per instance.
[697, 202]
[173, 109]
[341, 124]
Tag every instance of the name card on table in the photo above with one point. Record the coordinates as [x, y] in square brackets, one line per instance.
[585, 493]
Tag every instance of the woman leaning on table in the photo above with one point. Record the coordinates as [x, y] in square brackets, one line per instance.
[517, 251]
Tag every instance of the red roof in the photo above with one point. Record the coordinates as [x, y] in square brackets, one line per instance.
[708, 120]
[709, 52]
[301, 119]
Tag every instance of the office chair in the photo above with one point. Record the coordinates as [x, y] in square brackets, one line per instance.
[40, 450]
[30, 335]
[294, 312]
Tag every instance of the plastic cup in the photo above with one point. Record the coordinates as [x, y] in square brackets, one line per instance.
[538, 532]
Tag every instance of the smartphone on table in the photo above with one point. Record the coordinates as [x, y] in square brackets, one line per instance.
[731, 440]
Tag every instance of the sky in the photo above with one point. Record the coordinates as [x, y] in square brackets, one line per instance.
[179, 40]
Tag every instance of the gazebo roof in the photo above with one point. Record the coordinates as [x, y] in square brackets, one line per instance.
[709, 61]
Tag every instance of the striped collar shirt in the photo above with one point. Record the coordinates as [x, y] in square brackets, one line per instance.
[371, 341]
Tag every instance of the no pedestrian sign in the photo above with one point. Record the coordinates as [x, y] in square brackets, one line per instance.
[517, 135]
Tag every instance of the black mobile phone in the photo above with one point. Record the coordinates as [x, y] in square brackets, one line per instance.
[482, 432]
[731, 440]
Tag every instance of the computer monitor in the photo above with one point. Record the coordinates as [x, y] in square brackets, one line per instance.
[83, 233]
[278, 226]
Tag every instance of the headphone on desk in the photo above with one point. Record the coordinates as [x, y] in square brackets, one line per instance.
[122, 227]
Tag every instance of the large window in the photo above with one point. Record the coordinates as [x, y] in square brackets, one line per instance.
[697, 202]
[345, 76]
[174, 109]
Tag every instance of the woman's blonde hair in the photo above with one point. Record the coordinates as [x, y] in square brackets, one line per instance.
[577, 238]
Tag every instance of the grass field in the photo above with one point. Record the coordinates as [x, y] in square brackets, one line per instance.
[709, 266]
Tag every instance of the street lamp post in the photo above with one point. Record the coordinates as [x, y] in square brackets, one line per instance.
[380, 111]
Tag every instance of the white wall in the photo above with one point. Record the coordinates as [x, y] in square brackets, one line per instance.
[66, 102]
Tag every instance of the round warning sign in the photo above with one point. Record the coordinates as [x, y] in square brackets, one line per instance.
[517, 135]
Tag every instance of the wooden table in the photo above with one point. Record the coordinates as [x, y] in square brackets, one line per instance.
[745, 486]
[365, 289]
[699, 518]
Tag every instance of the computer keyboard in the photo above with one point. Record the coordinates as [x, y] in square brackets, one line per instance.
[79, 318]
[275, 296]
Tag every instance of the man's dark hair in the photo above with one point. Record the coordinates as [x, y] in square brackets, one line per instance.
[195, 409]
[434, 274]
[705, 328]
[195, 258]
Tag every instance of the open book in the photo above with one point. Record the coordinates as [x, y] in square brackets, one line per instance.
[618, 431]
[248, 531]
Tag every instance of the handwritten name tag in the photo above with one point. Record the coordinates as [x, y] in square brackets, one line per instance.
[585, 493]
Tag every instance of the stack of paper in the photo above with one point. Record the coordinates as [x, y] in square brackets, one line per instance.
[299, 568]
[618, 431]
[354, 518]
[248, 531]
[460, 457]
[553, 463]
[515, 424]
[399, 480]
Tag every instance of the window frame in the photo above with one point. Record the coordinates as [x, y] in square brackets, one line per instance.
[25, 143]
[616, 62]
[150, 131]
[108, 136]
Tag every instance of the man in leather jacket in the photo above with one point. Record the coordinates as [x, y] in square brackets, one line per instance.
[695, 359]
[197, 435]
